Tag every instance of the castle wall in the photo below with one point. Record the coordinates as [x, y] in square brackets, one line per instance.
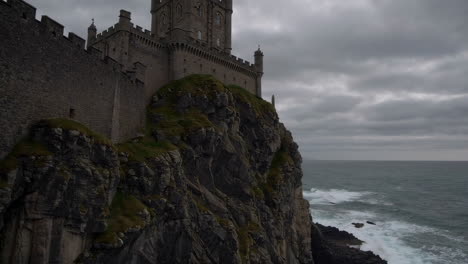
[45, 75]
[129, 45]
[155, 58]
[186, 60]
[171, 61]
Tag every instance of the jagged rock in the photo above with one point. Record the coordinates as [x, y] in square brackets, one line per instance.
[358, 225]
[332, 246]
[215, 179]
[338, 236]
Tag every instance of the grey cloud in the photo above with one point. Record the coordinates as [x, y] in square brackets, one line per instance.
[368, 79]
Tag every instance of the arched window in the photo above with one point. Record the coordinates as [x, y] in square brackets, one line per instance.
[218, 18]
[164, 19]
[199, 35]
[218, 43]
[199, 8]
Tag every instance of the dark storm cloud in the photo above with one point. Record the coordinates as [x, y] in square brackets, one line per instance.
[361, 79]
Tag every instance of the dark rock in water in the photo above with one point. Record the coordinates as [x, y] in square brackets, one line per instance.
[358, 225]
[331, 246]
[334, 234]
[370, 223]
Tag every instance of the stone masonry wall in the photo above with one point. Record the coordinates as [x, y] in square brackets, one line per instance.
[188, 60]
[165, 62]
[155, 58]
[46, 75]
[129, 45]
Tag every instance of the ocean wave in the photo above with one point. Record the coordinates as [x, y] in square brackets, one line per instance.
[388, 238]
[337, 196]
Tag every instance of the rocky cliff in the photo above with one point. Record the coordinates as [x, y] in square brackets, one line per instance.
[215, 178]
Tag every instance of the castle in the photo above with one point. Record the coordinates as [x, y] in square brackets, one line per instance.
[106, 82]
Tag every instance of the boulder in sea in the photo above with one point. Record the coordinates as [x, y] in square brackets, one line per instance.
[358, 225]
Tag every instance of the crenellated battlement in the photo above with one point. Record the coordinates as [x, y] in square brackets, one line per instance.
[26, 10]
[222, 55]
[145, 38]
[223, 59]
[51, 28]
[106, 33]
[48, 75]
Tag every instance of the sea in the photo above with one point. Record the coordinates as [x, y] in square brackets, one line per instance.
[420, 209]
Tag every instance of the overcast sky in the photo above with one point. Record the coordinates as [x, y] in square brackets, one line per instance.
[353, 79]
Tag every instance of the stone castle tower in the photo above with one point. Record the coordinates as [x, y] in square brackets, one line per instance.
[208, 21]
[186, 37]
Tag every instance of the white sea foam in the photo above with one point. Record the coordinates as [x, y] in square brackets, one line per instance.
[333, 196]
[387, 238]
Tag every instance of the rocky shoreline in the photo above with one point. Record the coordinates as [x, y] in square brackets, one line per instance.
[333, 246]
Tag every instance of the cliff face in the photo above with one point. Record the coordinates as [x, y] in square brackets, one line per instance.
[214, 179]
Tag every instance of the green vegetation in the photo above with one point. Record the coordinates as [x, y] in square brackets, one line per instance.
[69, 124]
[124, 214]
[145, 148]
[275, 176]
[260, 106]
[26, 147]
[200, 204]
[177, 124]
[222, 221]
[245, 240]
[258, 192]
[171, 123]
[195, 85]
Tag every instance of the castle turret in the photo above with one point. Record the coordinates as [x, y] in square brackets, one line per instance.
[259, 68]
[259, 60]
[92, 31]
[125, 20]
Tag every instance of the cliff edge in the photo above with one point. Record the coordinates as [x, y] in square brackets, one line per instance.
[214, 178]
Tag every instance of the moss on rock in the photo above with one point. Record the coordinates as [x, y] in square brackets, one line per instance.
[24, 148]
[196, 85]
[125, 213]
[177, 124]
[245, 239]
[68, 124]
[142, 149]
[275, 174]
[260, 106]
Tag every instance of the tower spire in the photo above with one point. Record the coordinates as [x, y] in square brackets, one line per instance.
[92, 32]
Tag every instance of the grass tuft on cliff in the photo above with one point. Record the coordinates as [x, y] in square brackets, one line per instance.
[245, 240]
[68, 124]
[177, 124]
[147, 147]
[24, 148]
[125, 213]
[259, 105]
[275, 174]
[207, 85]
[196, 85]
